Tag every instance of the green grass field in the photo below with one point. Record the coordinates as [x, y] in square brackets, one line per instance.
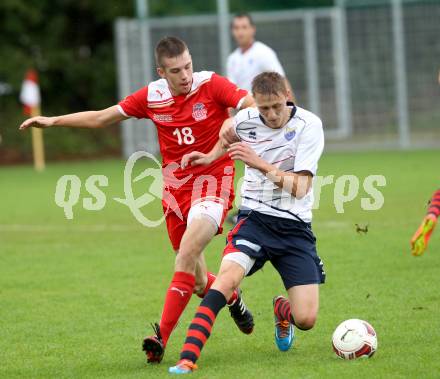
[77, 296]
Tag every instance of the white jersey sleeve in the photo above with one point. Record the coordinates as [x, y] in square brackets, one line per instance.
[310, 147]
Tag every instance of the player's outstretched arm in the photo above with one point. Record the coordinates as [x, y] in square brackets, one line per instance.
[196, 158]
[90, 119]
[227, 136]
[296, 183]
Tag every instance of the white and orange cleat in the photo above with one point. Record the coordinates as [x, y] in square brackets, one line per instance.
[184, 366]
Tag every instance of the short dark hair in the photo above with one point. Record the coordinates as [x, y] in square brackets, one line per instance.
[269, 83]
[169, 47]
[244, 15]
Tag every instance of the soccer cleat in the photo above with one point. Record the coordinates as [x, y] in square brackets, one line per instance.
[153, 346]
[184, 366]
[284, 334]
[419, 241]
[241, 315]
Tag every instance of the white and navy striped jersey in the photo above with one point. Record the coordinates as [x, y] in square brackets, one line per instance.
[295, 147]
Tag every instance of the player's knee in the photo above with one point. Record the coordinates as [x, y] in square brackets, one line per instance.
[231, 282]
[190, 248]
[186, 261]
[305, 321]
[231, 274]
[225, 283]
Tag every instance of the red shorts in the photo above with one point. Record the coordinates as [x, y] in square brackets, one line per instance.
[177, 203]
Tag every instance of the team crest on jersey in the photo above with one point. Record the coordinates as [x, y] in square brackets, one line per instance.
[199, 112]
[253, 135]
[290, 132]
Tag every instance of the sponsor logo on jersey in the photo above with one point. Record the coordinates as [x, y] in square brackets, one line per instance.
[290, 132]
[162, 117]
[199, 112]
[160, 93]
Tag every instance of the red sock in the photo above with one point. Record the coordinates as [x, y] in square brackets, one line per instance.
[178, 295]
[210, 280]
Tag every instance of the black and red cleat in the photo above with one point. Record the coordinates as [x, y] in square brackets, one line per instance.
[153, 346]
[242, 315]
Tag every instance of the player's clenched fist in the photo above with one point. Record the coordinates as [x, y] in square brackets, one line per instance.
[37, 122]
[241, 151]
[227, 133]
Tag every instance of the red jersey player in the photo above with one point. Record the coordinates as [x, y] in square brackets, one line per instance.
[188, 110]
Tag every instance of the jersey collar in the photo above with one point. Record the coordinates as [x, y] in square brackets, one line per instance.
[248, 49]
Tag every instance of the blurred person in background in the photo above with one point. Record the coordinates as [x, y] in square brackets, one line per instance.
[251, 57]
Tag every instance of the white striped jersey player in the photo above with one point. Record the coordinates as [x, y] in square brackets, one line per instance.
[295, 147]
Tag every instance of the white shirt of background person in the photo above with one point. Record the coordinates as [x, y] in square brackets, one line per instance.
[251, 57]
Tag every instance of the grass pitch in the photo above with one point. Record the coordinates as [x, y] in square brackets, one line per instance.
[76, 296]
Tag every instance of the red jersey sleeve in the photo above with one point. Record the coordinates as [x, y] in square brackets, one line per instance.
[135, 105]
[226, 93]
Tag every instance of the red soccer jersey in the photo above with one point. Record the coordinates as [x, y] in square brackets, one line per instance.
[187, 123]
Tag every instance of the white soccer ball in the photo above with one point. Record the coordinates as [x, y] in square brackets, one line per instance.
[354, 339]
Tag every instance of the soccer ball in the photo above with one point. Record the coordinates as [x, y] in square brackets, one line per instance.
[354, 339]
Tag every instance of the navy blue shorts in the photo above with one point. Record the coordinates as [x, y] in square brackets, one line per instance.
[288, 244]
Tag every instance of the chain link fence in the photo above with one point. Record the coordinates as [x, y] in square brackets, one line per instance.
[368, 68]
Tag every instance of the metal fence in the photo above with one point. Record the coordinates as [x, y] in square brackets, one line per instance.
[368, 68]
